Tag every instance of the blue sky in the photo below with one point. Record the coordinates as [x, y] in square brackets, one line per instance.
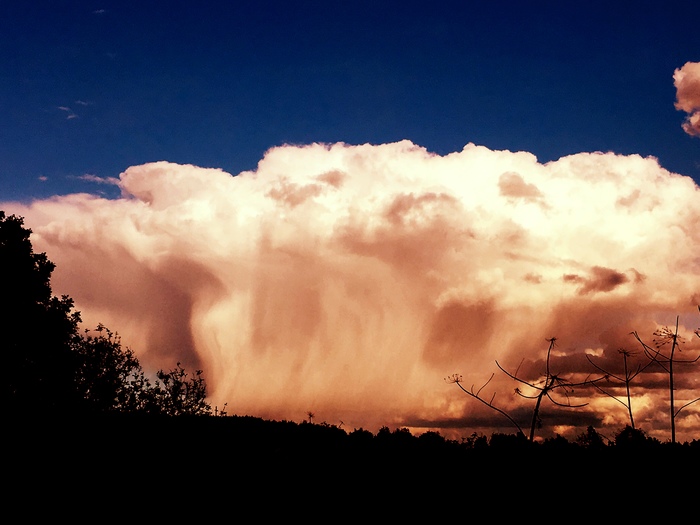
[93, 87]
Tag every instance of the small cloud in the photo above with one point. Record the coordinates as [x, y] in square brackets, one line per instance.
[88, 177]
[335, 178]
[687, 82]
[99, 11]
[512, 185]
[601, 279]
[692, 124]
[638, 276]
[68, 110]
[43, 178]
[534, 278]
[293, 194]
[83, 103]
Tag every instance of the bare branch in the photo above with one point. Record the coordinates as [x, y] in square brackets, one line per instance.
[457, 379]
[686, 405]
[482, 387]
[512, 376]
[664, 336]
[607, 374]
[546, 386]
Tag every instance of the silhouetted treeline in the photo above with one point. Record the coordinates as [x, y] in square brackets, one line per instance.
[244, 443]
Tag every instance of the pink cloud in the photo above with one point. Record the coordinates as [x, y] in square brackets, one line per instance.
[687, 82]
[350, 280]
[513, 185]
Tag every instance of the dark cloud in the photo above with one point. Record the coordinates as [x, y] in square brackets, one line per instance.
[599, 279]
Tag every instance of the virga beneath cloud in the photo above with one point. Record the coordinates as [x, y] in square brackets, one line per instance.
[349, 281]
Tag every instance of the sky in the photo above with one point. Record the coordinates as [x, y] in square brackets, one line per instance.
[332, 207]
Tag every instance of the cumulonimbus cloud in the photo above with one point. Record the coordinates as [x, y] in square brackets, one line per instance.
[687, 82]
[351, 280]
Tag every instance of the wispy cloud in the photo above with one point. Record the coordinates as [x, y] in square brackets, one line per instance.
[88, 177]
[70, 113]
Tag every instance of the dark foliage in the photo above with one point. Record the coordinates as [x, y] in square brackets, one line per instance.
[52, 369]
[36, 328]
[108, 377]
[248, 446]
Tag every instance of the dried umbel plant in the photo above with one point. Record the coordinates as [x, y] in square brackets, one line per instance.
[666, 343]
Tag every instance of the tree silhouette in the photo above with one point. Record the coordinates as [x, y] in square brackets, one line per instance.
[110, 377]
[36, 328]
[591, 439]
[630, 438]
[53, 368]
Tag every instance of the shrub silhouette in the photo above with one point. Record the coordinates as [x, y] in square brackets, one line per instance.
[630, 438]
[108, 377]
[591, 439]
[175, 395]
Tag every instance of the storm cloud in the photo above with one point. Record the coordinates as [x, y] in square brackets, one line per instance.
[349, 280]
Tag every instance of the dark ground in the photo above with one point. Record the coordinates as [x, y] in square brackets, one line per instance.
[286, 469]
